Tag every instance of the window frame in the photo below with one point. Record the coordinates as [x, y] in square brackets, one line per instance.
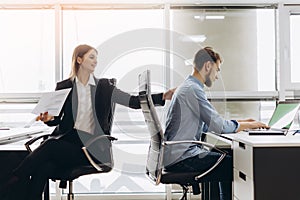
[286, 86]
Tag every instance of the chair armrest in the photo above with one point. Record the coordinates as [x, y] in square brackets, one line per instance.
[87, 154]
[223, 153]
[33, 140]
[111, 138]
[194, 142]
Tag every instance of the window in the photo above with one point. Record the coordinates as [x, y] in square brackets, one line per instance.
[245, 38]
[295, 47]
[27, 51]
[289, 50]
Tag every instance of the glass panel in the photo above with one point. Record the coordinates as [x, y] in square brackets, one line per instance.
[27, 51]
[125, 49]
[259, 110]
[295, 48]
[245, 38]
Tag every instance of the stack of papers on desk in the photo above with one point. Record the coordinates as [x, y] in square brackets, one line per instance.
[14, 133]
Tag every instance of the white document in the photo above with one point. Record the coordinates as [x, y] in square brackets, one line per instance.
[51, 102]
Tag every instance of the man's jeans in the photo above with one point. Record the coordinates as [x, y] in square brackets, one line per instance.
[202, 162]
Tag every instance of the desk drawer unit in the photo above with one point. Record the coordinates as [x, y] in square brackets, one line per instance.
[243, 158]
[242, 186]
[266, 173]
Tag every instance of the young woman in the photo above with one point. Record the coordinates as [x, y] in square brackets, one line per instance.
[86, 114]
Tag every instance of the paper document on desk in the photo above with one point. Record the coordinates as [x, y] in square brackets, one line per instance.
[51, 102]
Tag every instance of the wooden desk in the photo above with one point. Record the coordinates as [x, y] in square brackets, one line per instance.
[265, 167]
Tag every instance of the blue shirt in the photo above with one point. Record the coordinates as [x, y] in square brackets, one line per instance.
[189, 115]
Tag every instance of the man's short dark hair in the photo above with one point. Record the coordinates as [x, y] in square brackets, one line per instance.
[204, 55]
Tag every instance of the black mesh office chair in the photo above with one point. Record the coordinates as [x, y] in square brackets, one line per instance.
[76, 172]
[154, 166]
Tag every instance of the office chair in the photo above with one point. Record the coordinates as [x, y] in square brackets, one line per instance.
[71, 174]
[154, 166]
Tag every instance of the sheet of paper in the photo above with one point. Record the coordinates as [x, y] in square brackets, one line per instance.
[51, 102]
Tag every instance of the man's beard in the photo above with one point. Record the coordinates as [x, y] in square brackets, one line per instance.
[208, 81]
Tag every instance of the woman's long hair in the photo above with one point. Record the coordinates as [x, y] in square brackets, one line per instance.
[79, 51]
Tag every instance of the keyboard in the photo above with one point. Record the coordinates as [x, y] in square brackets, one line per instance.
[267, 131]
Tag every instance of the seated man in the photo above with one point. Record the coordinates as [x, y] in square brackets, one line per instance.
[190, 114]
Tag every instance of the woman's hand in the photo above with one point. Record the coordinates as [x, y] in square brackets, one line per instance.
[168, 95]
[44, 117]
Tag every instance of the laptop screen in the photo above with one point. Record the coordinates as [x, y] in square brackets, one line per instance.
[284, 115]
[295, 126]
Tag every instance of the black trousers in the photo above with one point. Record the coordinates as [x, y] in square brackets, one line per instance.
[200, 163]
[45, 161]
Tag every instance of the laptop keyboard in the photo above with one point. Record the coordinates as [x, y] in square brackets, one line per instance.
[267, 132]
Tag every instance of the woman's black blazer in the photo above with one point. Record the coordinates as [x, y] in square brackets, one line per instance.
[104, 95]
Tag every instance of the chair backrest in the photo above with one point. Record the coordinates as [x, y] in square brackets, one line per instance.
[113, 81]
[103, 142]
[155, 155]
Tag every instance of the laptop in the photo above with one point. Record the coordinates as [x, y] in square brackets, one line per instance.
[281, 120]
